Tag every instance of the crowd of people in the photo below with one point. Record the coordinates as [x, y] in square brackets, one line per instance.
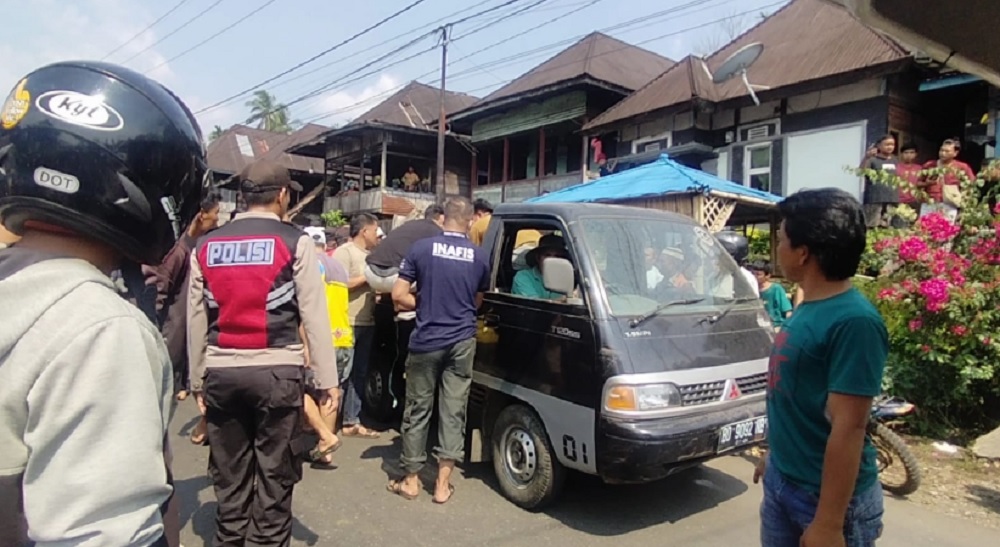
[270, 327]
[932, 186]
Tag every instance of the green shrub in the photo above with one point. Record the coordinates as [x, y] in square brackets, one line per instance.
[333, 219]
[939, 292]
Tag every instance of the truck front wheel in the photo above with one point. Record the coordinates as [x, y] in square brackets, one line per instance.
[523, 460]
[378, 397]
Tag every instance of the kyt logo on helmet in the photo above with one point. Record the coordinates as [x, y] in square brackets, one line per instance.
[77, 108]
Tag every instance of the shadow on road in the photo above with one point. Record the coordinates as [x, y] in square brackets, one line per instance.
[185, 430]
[390, 453]
[987, 498]
[589, 505]
[201, 516]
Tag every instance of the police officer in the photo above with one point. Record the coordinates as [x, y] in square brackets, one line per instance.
[253, 282]
[99, 167]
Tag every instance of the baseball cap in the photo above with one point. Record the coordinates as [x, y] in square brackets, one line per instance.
[265, 175]
[317, 233]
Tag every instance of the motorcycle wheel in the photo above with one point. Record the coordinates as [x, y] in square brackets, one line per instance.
[891, 448]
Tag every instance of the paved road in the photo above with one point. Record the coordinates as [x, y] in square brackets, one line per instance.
[714, 505]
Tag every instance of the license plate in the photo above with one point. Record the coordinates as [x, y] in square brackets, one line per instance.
[742, 433]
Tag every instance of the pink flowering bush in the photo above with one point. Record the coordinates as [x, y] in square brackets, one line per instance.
[938, 288]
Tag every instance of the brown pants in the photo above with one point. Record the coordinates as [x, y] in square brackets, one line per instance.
[254, 418]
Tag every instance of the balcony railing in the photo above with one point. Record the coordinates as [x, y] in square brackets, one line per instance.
[518, 191]
[376, 200]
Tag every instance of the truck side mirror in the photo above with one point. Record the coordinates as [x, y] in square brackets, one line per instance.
[558, 275]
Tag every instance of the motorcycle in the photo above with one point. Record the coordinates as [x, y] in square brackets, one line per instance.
[891, 448]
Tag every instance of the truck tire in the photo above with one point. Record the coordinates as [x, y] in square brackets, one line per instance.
[378, 398]
[523, 460]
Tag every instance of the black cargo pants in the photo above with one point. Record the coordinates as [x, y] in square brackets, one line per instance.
[254, 418]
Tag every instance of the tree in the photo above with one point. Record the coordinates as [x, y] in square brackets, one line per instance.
[216, 133]
[722, 33]
[267, 113]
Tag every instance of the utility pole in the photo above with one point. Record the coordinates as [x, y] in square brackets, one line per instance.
[445, 31]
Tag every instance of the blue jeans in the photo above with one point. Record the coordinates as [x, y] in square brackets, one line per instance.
[354, 384]
[788, 509]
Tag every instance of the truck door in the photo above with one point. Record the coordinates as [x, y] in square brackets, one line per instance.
[537, 347]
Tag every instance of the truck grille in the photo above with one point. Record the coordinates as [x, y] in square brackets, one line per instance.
[752, 384]
[699, 394]
[711, 392]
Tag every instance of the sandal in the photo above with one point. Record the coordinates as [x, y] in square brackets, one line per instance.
[451, 492]
[316, 455]
[358, 431]
[396, 487]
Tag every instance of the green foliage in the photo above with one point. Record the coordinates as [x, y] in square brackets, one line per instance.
[760, 244]
[333, 219]
[268, 114]
[939, 292]
[216, 133]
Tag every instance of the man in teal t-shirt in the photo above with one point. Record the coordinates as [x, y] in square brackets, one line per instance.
[776, 301]
[825, 368]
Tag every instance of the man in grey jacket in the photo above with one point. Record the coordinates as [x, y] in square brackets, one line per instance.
[86, 389]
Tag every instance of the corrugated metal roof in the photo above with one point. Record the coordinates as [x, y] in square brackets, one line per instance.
[598, 56]
[226, 156]
[416, 105]
[804, 40]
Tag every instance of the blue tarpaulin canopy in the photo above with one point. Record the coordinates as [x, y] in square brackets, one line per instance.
[661, 177]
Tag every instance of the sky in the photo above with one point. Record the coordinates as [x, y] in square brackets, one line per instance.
[341, 85]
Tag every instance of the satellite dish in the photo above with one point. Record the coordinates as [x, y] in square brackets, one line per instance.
[737, 65]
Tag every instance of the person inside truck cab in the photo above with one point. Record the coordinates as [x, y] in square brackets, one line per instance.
[675, 270]
[653, 274]
[528, 282]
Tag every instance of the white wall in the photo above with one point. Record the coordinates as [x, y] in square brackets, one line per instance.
[819, 159]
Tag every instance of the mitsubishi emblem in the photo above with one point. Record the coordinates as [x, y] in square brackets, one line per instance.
[732, 391]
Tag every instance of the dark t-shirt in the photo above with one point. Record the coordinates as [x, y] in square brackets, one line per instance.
[390, 252]
[449, 270]
[877, 192]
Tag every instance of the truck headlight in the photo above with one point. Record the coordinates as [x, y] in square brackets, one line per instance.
[643, 397]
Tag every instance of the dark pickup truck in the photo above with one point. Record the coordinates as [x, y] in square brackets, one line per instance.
[654, 360]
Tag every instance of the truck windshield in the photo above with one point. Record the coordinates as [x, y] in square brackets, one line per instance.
[645, 263]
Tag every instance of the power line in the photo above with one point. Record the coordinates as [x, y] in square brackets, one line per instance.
[350, 57]
[314, 57]
[290, 80]
[340, 81]
[655, 38]
[175, 31]
[143, 31]
[212, 37]
[519, 57]
[514, 13]
[331, 85]
[527, 55]
[358, 104]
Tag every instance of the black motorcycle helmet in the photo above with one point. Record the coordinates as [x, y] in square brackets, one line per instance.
[735, 244]
[101, 151]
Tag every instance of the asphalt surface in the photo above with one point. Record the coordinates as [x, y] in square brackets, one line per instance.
[713, 505]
